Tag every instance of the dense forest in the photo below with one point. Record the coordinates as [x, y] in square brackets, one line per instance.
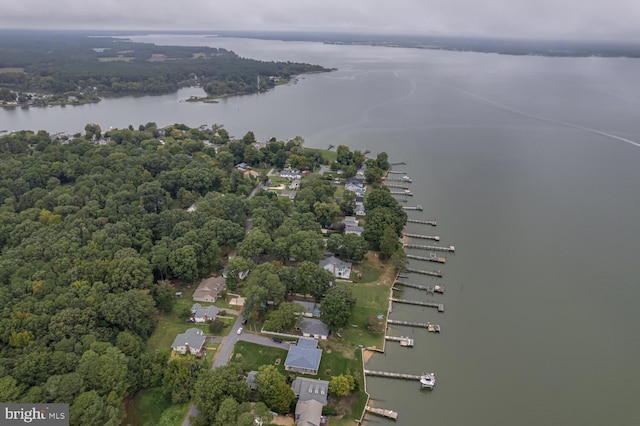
[71, 63]
[95, 231]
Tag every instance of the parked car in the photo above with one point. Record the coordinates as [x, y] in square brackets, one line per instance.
[244, 321]
[276, 339]
[239, 331]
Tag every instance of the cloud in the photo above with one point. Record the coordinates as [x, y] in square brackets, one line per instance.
[602, 19]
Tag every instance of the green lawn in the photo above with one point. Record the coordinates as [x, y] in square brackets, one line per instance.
[173, 323]
[151, 408]
[250, 356]
[332, 156]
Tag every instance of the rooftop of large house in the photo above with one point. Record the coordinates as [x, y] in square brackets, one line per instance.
[304, 357]
[313, 327]
[199, 311]
[193, 337]
[310, 308]
[209, 289]
[306, 389]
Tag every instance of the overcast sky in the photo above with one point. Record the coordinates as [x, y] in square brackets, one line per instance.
[583, 19]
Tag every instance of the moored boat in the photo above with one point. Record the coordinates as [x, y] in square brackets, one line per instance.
[428, 381]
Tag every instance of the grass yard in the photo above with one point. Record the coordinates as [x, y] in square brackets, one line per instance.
[174, 323]
[151, 407]
[250, 356]
[332, 156]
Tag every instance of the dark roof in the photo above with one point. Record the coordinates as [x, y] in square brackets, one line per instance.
[194, 337]
[302, 356]
[306, 389]
[313, 326]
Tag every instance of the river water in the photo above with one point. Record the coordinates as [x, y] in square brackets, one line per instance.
[531, 167]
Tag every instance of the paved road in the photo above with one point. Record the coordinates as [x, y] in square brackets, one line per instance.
[224, 353]
[264, 341]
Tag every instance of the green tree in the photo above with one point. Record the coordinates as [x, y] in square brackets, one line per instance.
[227, 412]
[213, 386]
[133, 310]
[337, 306]
[341, 385]
[273, 389]
[388, 243]
[91, 409]
[256, 242]
[313, 279]
[184, 263]
[399, 260]
[105, 370]
[348, 203]
[9, 389]
[284, 318]
[235, 266]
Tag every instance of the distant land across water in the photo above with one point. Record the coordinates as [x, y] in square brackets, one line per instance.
[555, 48]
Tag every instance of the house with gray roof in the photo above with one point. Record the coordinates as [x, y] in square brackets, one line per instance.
[306, 389]
[358, 230]
[311, 309]
[309, 413]
[337, 267]
[190, 341]
[252, 380]
[203, 314]
[209, 289]
[312, 327]
[304, 357]
[350, 221]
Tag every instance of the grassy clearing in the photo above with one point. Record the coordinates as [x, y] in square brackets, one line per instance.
[116, 59]
[173, 323]
[250, 356]
[151, 407]
[332, 156]
[351, 406]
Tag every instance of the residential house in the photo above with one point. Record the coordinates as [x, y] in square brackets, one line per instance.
[359, 201]
[242, 167]
[295, 185]
[290, 174]
[209, 289]
[306, 389]
[358, 230]
[203, 314]
[360, 210]
[311, 309]
[309, 413]
[290, 194]
[337, 267]
[190, 341]
[311, 327]
[304, 357]
[350, 221]
[252, 380]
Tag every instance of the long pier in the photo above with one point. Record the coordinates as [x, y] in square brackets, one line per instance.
[423, 272]
[431, 258]
[450, 249]
[396, 185]
[406, 193]
[397, 172]
[418, 208]
[392, 375]
[434, 328]
[427, 288]
[404, 341]
[424, 237]
[405, 179]
[439, 306]
[390, 414]
[424, 222]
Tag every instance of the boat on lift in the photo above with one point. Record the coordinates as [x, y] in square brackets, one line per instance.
[428, 381]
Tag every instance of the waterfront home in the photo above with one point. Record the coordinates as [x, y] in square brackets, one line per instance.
[306, 389]
[337, 267]
[311, 327]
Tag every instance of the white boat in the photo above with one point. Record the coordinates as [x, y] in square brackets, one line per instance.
[428, 381]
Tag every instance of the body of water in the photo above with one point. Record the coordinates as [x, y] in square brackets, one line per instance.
[531, 167]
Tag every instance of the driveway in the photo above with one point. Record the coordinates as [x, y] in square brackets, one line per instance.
[264, 341]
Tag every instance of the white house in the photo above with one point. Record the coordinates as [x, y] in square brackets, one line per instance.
[337, 267]
[202, 314]
[209, 289]
[190, 341]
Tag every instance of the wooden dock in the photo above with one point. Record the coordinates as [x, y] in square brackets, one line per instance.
[404, 341]
[405, 179]
[427, 288]
[403, 376]
[418, 208]
[434, 328]
[437, 274]
[390, 414]
[424, 237]
[396, 185]
[397, 172]
[450, 249]
[431, 258]
[439, 306]
[405, 193]
[423, 222]
[401, 163]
